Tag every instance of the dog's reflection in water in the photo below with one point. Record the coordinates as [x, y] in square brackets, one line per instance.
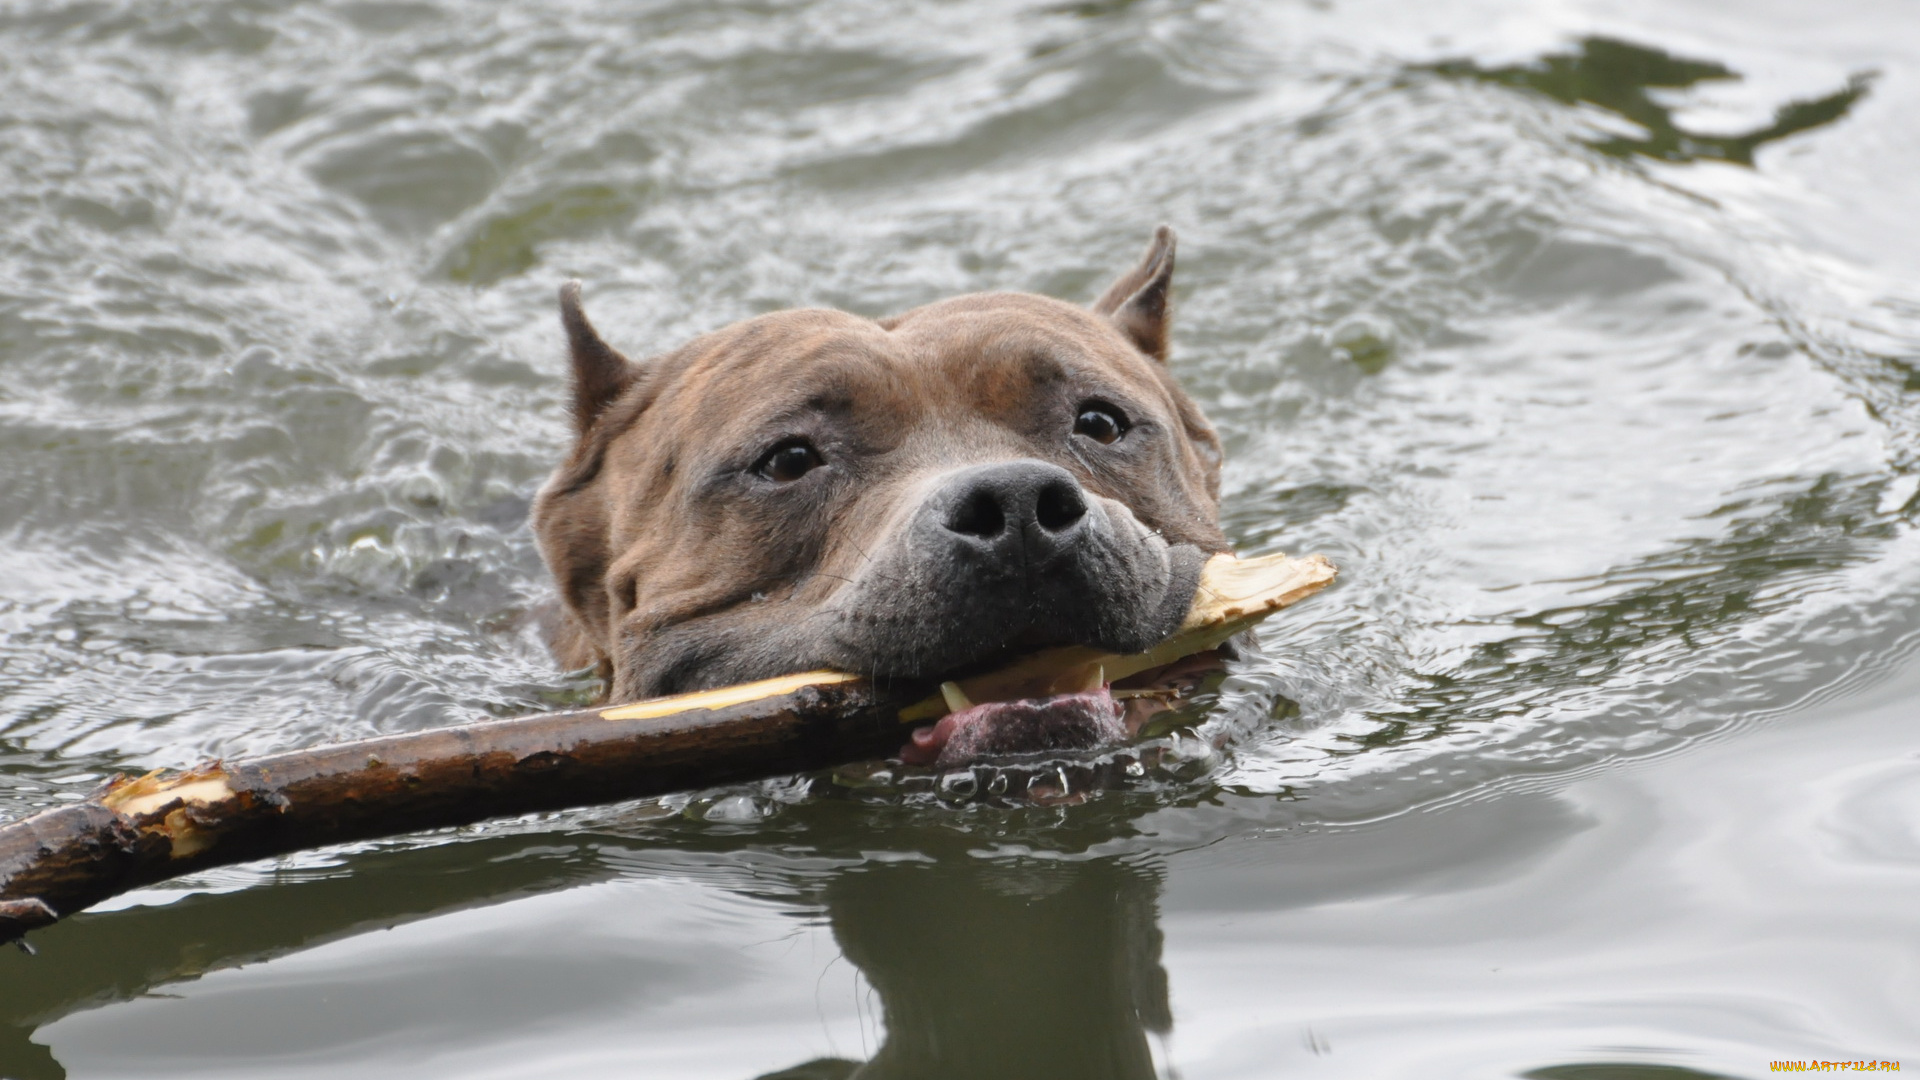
[1021, 967]
[1005, 969]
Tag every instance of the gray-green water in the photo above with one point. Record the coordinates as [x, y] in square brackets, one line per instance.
[1582, 334]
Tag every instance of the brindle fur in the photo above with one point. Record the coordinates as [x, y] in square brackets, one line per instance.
[679, 567]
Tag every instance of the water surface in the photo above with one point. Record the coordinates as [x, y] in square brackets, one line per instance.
[1582, 335]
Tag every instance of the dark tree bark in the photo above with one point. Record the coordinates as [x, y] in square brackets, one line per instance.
[137, 832]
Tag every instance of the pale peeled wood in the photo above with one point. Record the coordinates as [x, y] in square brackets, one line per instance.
[738, 694]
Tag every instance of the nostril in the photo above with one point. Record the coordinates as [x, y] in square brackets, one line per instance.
[979, 514]
[1059, 507]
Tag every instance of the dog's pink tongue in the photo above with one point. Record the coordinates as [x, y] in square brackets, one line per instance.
[1031, 725]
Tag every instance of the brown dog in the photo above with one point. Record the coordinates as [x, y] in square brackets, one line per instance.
[908, 498]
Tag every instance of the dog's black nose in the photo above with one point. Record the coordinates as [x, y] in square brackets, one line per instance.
[1015, 507]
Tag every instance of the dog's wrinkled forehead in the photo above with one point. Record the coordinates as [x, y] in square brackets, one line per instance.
[959, 368]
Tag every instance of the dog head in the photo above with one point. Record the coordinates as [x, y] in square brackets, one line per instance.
[904, 498]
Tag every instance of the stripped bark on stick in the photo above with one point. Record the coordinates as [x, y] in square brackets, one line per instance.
[135, 832]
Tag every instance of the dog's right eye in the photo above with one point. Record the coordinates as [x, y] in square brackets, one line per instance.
[789, 461]
[1101, 422]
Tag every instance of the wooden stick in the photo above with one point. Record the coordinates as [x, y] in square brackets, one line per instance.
[136, 832]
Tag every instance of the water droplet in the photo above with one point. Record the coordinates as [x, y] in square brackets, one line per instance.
[736, 810]
[959, 785]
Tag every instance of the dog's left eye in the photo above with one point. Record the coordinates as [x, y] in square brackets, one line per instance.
[789, 461]
[1100, 422]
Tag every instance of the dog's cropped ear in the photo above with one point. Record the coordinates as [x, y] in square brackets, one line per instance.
[600, 373]
[1138, 303]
